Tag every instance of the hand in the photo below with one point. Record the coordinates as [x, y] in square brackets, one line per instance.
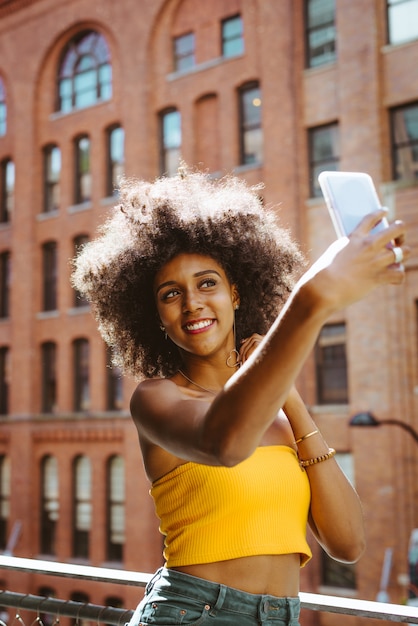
[353, 266]
[248, 346]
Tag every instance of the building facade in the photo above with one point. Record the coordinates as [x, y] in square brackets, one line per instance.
[274, 91]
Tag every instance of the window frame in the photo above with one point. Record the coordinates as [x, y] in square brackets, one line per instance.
[326, 394]
[247, 126]
[312, 29]
[227, 40]
[49, 276]
[397, 146]
[317, 165]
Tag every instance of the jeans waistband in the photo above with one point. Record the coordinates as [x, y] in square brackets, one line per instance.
[221, 596]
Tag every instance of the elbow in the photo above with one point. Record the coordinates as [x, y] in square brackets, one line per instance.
[228, 453]
[349, 553]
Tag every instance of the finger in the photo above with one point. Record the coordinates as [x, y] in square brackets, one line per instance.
[370, 221]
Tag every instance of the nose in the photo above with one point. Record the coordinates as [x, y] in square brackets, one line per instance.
[191, 301]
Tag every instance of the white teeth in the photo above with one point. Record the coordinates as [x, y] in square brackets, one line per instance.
[198, 325]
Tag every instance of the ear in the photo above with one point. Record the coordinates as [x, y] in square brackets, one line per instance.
[235, 297]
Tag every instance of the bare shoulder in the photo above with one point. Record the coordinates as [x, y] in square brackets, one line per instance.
[151, 395]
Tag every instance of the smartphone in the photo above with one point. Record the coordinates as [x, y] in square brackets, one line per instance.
[350, 196]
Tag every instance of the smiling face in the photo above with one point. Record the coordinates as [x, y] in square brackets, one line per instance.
[196, 302]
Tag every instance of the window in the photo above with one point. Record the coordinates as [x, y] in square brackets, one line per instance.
[324, 154]
[114, 384]
[4, 500]
[79, 299]
[251, 134]
[331, 365]
[232, 37]
[49, 376]
[7, 189]
[82, 170]
[85, 73]
[184, 48]
[4, 380]
[115, 159]
[82, 507]
[49, 272]
[170, 124]
[402, 20]
[49, 504]
[334, 573]
[320, 32]
[52, 176]
[3, 109]
[404, 123]
[81, 351]
[115, 508]
[4, 284]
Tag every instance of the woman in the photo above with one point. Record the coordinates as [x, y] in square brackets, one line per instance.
[193, 285]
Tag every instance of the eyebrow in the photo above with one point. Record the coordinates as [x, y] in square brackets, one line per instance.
[168, 283]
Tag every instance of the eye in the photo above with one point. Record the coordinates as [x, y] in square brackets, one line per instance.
[167, 295]
[208, 282]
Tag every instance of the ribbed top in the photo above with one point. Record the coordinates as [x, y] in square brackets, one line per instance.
[210, 514]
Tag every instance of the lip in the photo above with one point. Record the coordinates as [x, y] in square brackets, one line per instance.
[195, 327]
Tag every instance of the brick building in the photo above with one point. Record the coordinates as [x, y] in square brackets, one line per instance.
[274, 91]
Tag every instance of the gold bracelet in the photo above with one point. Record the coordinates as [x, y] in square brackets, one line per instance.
[314, 432]
[317, 459]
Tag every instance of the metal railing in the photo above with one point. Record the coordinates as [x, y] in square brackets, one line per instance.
[118, 617]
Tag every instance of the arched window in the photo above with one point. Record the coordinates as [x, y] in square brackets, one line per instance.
[49, 504]
[4, 499]
[82, 507]
[85, 72]
[3, 109]
[115, 508]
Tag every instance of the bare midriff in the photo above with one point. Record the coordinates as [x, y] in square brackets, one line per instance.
[276, 575]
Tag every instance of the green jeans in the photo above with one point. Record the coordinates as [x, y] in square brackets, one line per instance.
[174, 598]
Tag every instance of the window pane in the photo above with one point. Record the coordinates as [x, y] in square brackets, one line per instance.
[4, 380]
[52, 173]
[184, 48]
[49, 504]
[49, 377]
[85, 87]
[321, 32]
[4, 284]
[402, 20]
[50, 270]
[7, 188]
[83, 180]
[116, 160]
[171, 142]
[405, 142]
[3, 109]
[251, 131]
[81, 375]
[331, 365]
[232, 37]
[324, 154]
[4, 500]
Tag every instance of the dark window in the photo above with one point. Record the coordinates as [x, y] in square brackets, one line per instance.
[251, 133]
[404, 123]
[85, 73]
[49, 376]
[331, 365]
[402, 20]
[184, 49]
[324, 154]
[114, 384]
[4, 284]
[115, 508]
[170, 125]
[4, 380]
[82, 507]
[3, 109]
[4, 500]
[50, 271]
[7, 189]
[82, 170]
[79, 299]
[232, 37]
[81, 375]
[49, 504]
[52, 176]
[320, 32]
[115, 159]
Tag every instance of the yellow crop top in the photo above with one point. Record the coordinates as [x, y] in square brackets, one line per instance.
[210, 514]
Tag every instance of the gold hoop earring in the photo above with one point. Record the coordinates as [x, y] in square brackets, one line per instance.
[232, 359]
